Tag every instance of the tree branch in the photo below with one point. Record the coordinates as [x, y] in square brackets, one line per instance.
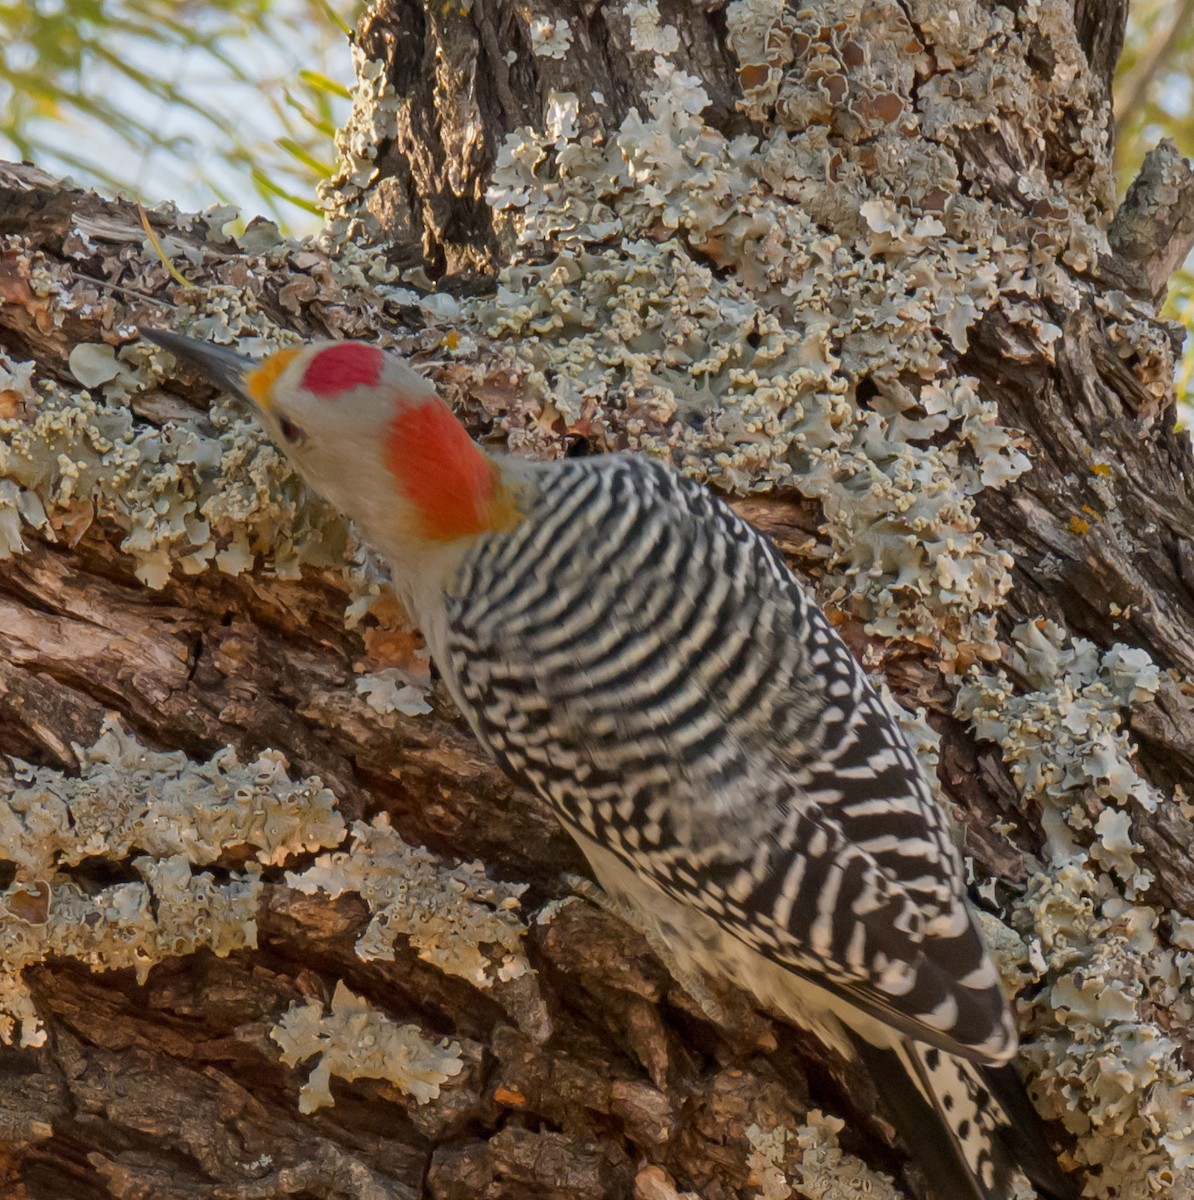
[1153, 230]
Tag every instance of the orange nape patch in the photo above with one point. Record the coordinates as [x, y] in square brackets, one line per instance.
[259, 384]
[455, 488]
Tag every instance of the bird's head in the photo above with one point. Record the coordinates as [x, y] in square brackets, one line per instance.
[370, 434]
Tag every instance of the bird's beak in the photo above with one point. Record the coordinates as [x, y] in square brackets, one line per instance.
[217, 364]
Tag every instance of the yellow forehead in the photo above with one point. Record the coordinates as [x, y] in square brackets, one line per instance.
[260, 383]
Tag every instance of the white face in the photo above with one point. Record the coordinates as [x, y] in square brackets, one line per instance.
[331, 408]
[371, 436]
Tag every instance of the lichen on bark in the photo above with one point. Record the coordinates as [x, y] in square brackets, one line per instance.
[855, 264]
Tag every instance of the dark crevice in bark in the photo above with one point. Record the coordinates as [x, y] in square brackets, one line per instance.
[1101, 27]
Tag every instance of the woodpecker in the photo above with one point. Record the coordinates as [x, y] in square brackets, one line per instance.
[645, 662]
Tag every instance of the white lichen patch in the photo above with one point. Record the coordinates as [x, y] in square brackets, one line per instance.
[766, 1162]
[371, 124]
[164, 814]
[550, 39]
[455, 917]
[355, 1041]
[94, 364]
[827, 1172]
[1109, 1028]
[172, 912]
[188, 487]
[648, 33]
[16, 385]
[809, 1162]
[717, 301]
[129, 798]
[393, 690]
[17, 507]
[1103, 981]
[185, 496]
[188, 490]
[1065, 746]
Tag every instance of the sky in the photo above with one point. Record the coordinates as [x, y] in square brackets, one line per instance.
[199, 168]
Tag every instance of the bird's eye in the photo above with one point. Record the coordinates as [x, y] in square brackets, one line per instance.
[291, 432]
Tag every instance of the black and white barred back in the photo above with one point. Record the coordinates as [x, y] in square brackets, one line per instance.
[645, 661]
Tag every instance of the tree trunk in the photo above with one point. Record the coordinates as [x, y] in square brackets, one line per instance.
[857, 265]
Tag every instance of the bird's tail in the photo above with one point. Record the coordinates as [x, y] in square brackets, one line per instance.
[970, 1128]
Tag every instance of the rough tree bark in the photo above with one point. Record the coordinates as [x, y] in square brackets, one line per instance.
[857, 263]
